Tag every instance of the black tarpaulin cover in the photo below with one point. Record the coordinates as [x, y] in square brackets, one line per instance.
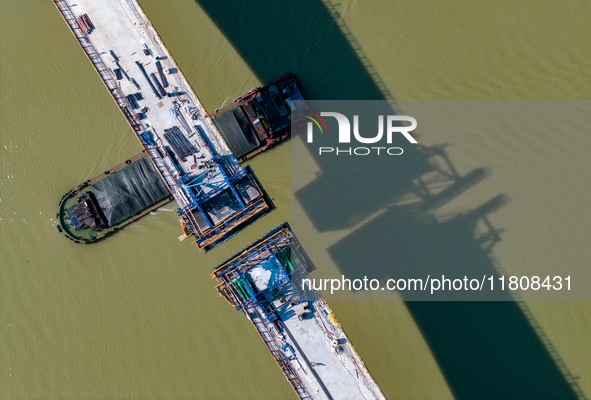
[129, 191]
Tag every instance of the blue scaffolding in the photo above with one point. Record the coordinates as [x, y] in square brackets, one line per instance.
[263, 253]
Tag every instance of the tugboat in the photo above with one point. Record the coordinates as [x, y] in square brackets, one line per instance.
[262, 118]
[101, 206]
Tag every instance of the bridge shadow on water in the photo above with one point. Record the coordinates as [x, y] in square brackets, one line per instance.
[484, 349]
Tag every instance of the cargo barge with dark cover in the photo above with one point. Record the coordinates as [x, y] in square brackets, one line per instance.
[262, 118]
[103, 205]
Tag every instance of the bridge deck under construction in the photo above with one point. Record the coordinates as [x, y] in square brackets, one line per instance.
[298, 327]
[215, 194]
[217, 197]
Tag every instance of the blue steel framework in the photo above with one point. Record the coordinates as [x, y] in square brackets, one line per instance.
[260, 252]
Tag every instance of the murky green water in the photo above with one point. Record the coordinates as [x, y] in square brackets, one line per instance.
[136, 316]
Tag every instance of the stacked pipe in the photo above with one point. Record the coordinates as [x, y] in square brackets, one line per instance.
[178, 141]
[143, 70]
[85, 24]
[133, 100]
[161, 73]
[158, 84]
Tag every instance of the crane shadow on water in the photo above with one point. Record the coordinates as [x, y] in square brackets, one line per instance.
[484, 349]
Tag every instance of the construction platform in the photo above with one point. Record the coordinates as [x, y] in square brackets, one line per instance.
[105, 204]
[131, 190]
[216, 196]
[298, 327]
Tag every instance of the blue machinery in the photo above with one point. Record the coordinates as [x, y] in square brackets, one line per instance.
[281, 253]
[223, 174]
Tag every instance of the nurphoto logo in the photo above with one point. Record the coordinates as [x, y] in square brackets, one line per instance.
[388, 127]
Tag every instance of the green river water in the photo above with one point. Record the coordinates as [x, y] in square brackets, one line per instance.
[137, 316]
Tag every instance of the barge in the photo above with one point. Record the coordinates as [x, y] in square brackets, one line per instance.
[216, 196]
[105, 204]
[306, 340]
[262, 118]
